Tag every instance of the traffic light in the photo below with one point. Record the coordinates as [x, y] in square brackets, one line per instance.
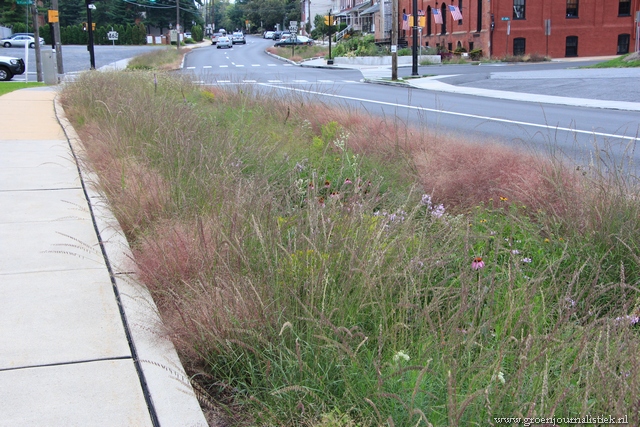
[327, 20]
[84, 26]
[93, 26]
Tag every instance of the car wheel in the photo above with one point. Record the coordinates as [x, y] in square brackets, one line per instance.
[218, 47]
[5, 74]
[7, 44]
[32, 45]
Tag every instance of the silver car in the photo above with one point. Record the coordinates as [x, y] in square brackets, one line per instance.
[20, 41]
[224, 41]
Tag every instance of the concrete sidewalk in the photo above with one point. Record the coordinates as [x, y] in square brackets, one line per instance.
[80, 339]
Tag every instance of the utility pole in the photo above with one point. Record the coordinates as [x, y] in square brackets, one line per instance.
[394, 39]
[36, 36]
[178, 24]
[57, 44]
[414, 61]
[92, 56]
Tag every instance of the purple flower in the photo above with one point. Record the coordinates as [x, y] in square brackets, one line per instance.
[477, 263]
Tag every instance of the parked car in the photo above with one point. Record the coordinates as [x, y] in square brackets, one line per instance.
[20, 41]
[187, 35]
[10, 66]
[238, 38]
[268, 35]
[294, 41]
[224, 41]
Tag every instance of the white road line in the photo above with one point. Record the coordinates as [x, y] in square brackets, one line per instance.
[255, 65]
[349, 81]
[223, 81]
[224, 66]
[191, 68]
[249, 81]
[274, 81]
[301, 81]
[239, 65]
[288, 65]
[325, 81]
[206, 66]
[272, 65]
[453, 113]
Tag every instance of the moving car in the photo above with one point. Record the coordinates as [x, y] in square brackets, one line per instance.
[224, 41]
[294, 41]
[217, 35]
[10, 66]
[238, 38]
[20, 40]
[268, 35]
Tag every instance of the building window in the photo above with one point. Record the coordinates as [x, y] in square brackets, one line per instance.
[571, 48]
[572, 8]
[623, 43]
[624, 8]
[460, 9]
[519, 46]
[429, 30]
[470, 46]
[479, 17]
[518, 9]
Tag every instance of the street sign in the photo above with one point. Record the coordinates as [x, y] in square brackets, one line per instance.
[24, 2]
[293, 28]
[505, 18]
[112, 35]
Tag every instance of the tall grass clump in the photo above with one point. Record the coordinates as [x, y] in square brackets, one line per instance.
[320, 267]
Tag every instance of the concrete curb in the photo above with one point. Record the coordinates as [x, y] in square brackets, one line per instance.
[169, 388]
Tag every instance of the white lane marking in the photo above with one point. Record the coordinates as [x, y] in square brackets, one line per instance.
[325, 81]
[301, 81]
[224, 66]
[239, 65]
[255, 65]
[206, 66]
[453, 113]
[274, 81]
[288, 65]
[350, 81]
[272, 65]
[249, 81]
[191, 68]
[223, 81]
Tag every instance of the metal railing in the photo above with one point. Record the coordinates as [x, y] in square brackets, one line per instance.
[341, 34]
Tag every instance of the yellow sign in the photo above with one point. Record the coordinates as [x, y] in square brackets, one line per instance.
[53, 16]
[326, 20]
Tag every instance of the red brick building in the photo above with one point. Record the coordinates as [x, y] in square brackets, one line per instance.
[555, 28]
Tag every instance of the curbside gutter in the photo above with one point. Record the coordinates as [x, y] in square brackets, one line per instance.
[170, 397]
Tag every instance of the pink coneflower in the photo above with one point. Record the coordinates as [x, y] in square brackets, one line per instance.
[477, 263]
[327, 184]
[348, 181]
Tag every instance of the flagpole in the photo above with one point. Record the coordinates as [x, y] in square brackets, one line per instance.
[414, 67]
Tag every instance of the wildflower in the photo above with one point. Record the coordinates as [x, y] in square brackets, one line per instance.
[482, 221]
[299, 167]
[334, 194]
[630, 319]
[401, 355]
[570, 301]
[477, 263]
[503, 199]
[347, 181]
[327, 184]
[515, 251]
[547, 240]
[426, 200]
[321, 201]
[526, 260]
[311, 186]
[438, 211]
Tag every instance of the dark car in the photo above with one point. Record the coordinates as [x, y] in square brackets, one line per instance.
[10, 66]
[277, 35]
[294, 41]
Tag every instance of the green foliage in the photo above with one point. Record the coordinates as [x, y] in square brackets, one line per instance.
[323, 288]
[358, 46]
[619, 62]
[197, 33]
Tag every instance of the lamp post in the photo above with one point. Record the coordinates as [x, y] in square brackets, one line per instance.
[92, 57]
[414, 62]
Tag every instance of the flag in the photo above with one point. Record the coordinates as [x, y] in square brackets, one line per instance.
[405, 22]
[455, 13]
[437, 16]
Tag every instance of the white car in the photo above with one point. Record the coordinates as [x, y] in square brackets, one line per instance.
[224, 42]
[20, 41]
[268, 35]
